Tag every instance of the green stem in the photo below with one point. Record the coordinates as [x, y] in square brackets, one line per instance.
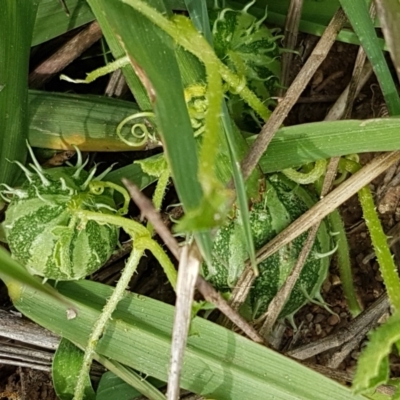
[161, 187]
[382, 251]
[105, 316]
[99, 72]
[163, 259]
[159, 194]
[131, 227]
[140, 235]
[343, 262]
[304, 178]
[379, 241]
[236, 83]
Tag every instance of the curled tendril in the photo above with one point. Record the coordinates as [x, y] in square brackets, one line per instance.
[309, 177]
[143, 136]
[97, 188]
[344, 172]
[196, 102]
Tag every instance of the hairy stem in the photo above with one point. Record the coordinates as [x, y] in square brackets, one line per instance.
[382, 251]
[106, 314]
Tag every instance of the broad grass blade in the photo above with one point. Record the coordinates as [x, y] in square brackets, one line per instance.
[139, 336]
[16, 20]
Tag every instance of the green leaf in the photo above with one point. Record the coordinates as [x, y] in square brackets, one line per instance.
[315, 16]
[134, 173]
[66, 365]
[16, 20]
[218, 363]
[113, 387]
[60, 120]
[299, 144]
[373, 364]
[14, 275]
[150, 49]
[52, 21]
[357, 13]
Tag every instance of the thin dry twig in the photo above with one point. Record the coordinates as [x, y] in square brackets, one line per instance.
[148, 210]
[359, 326]
[258, 148]
[65, 55]
[14, 327]
[205, 288]
[277, 303]
[290, 39]
[188, 277]
[319, 211]
[189, 267]
[281, 111]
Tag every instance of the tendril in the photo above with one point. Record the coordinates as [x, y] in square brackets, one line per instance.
[97, 188]
[143, 136]
[342, 167]
[197, 105]
[308, 177]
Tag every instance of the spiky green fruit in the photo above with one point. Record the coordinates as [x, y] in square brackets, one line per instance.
[282, 203]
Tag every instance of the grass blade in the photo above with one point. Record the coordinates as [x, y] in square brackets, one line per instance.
[388, 12]
[218, 363]
[60, 120]
[150, 50]
[90, 122]
[52, 21]
[16, 20]
[301, 144]
[358, 15]
[147, 45]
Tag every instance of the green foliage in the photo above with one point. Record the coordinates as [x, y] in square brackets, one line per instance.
[111, 386]
[282, 202]
[139, 335]
[373, 364]
[67, 363]
[149, 34]
[44, 231]
[14, 62]
[357, 13]
[249, 49]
